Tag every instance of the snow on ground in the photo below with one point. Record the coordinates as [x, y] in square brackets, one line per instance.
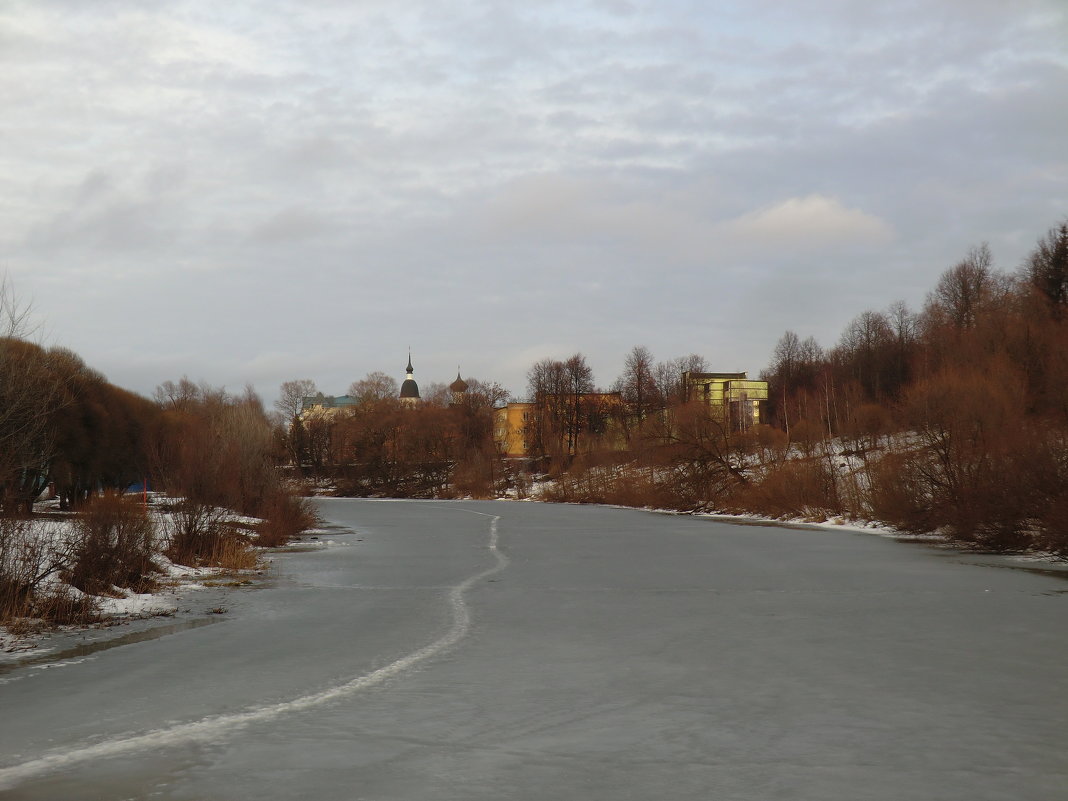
[55, 534]
[134, 604]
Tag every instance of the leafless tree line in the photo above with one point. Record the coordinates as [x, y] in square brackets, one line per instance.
[442, 447]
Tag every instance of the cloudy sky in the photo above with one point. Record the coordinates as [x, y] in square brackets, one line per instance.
[256, 192]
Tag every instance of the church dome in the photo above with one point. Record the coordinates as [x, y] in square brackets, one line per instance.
[409, 389]
[458, 386]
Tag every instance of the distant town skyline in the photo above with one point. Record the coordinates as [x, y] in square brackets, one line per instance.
[250, 194]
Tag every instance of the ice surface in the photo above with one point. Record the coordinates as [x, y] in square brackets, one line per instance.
[615, 655]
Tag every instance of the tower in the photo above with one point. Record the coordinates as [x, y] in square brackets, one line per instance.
[458, 388]
[409, 391]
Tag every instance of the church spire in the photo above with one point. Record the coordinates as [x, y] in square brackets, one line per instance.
[409, 391]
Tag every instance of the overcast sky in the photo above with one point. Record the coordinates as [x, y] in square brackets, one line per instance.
[257, 192]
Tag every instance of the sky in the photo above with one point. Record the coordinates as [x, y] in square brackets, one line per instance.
[250, 193]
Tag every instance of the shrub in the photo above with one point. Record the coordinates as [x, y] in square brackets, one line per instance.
[27, 599]
[285, 516]
[112, 546]
[805, 488]
[59, 607]
[1053, 527]
[475, 476]
[899, 492]
[198, 534]
[21, 568]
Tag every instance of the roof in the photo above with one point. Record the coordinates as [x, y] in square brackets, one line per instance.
[730, 376]
[459, 385]
[328, 401]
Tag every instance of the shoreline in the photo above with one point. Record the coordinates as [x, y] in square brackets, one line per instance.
[195, 597]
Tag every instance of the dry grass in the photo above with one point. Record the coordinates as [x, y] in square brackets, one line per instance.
[234, 552]
[285, 517]
[198, 534]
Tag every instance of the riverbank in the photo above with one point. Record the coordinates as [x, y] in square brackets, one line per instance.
[121, 561]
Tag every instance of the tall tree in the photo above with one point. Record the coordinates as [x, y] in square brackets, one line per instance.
[374, 386]
[965, 290]
[864, 352]
[668, 376]
[1047, 268]
[291, 397]
[31, 392]
[638, 385]
[556, 388]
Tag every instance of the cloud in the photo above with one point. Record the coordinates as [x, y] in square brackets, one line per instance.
[811, 222]
[511, 174]
[293, 223]
[666, 222]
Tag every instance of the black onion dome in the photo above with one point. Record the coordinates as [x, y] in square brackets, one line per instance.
[409, 389]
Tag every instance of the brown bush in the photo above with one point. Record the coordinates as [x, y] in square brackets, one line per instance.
[1048, 476]
[112, 546]
[22, 568]
[27, 602]
[1053, 527]
[973, 472]
[198, 534]
[285, 516]
[599, 479]
[802, 488]
[58, 607]
[476, 475]
[899, 493]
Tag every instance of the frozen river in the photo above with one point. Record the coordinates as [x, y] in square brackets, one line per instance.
[491, 650]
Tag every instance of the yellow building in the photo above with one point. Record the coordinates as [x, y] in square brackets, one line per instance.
[738, 398]
[592, 423]
[510, 426]
[322, 406]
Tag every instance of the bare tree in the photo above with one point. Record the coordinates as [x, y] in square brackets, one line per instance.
[964, 290]
[787, 357]
[486, 393]
[374, 386]
[792, 377]
[435, 393]
[545, 429]
[291, 397]
[668, 376]
[638, 384]
[30, 393]
[178, 396]
[15, 312]
[902, 322]
[864, 350]
[578, 381]
[905, 326]
[556, 389]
